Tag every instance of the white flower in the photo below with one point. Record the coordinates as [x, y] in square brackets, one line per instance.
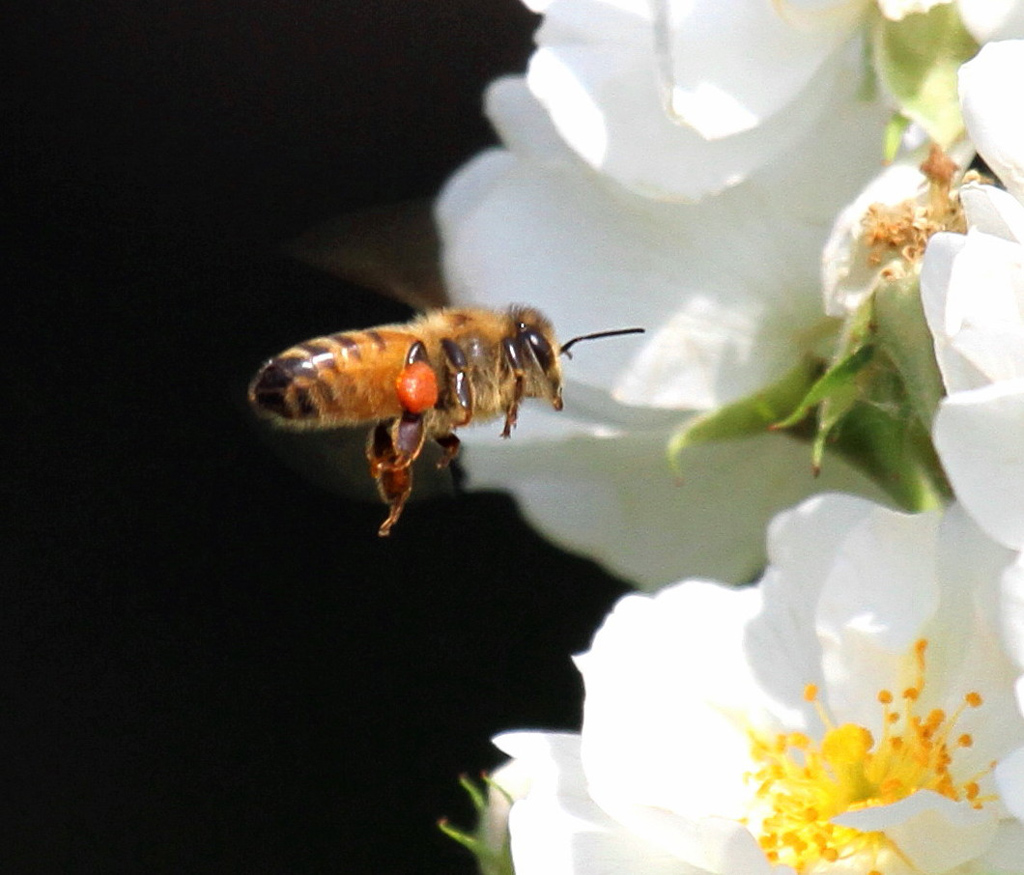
[677, 100]
[972, 288]
[851, 267]
[728, 290]
[840, 717]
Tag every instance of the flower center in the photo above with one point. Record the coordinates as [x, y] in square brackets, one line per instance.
[900, 233]
[801, 785]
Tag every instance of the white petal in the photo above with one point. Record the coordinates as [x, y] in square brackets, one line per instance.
[559, 830]
[615, 499]
[522, 124]
[990, 97]
[866, 625]
[1004, 855]
[978, 436]
[934, 833]
[597, 76]
[655, 732]
[993, 211]
[936, 274]
[989, 20]
[966, 651]
[802, 546]
[550, 759]
[1010, 781]
[749, 56]
[1013, 610]
[550, 837]
[978, 337]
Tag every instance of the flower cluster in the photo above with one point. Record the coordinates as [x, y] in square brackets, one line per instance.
[680, 166]
[713, 169]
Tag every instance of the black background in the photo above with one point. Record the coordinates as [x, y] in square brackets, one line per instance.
[209, 664]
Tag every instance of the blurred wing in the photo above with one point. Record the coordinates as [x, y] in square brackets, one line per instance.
[392, 249]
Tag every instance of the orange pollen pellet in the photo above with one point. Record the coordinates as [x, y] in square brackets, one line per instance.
[417, 387]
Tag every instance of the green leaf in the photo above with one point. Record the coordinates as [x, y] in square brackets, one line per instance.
[748, 416]
[917, 60]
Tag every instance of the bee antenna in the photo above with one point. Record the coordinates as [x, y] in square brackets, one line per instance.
[565, 346]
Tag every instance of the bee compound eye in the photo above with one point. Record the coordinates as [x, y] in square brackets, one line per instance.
[541, 348]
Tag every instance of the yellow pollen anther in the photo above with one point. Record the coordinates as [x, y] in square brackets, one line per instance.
[800, 786]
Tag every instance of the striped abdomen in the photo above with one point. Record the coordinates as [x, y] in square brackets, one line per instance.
[340, 379]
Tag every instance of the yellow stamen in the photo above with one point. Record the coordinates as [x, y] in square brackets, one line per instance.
[801, 786]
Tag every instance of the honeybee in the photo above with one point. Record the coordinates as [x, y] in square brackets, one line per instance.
[415, 382]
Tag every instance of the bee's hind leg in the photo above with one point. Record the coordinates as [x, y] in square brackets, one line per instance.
[392, 448]
[394, 486]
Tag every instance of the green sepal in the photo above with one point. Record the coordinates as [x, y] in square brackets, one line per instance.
[917, 59]
[836, 387]
[895, 450]
[490, 860]
[876, 401]
[752, 415]
[902, 333]
[840, 386]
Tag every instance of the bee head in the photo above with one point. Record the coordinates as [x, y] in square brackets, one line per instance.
[538, 351]
[535, 346]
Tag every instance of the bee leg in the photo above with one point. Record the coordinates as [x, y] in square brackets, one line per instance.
[512, 414]
[459, 387]
[391, 450]
[514, 359]
[395, 486]
[450, 444]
